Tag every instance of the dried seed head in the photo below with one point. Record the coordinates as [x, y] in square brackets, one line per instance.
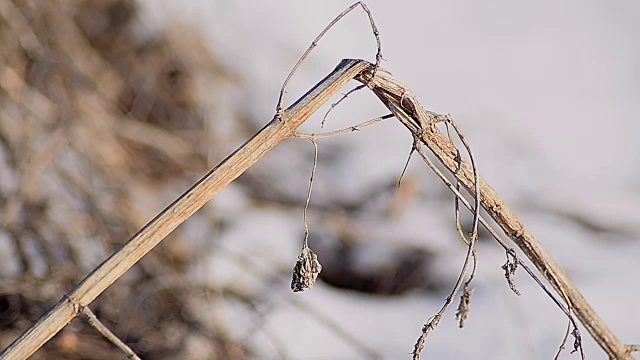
[463, 308]
[306, 270]
[509, 271]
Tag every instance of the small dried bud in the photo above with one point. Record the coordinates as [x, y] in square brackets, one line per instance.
[306, 270]
[463, 307]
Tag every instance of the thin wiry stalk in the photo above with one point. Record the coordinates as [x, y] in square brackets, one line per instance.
[503, 244]
[564, 341]
[463, 307]
[433, 322]
[344, 97]
[304, 56]
[342, 131]
[405, 105]
[306, 204]
[104, 331]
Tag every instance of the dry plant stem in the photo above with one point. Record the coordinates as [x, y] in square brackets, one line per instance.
[406, 166]
[97, 324]
[280, 128]
[307, 268]
[344, 97]
[402, 103]
[577, 343]
[463, 308]
[433, 321]
[462, 311]
[462, 236]
[407, 109]
[494, 233]
[476, 180]
[306, 204]
[510, 252]
[564, 341]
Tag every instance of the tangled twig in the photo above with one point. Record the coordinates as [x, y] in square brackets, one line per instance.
[376, 34]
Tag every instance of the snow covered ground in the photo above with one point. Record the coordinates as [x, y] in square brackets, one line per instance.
[546, 93]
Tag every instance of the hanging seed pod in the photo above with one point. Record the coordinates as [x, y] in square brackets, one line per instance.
[306, 270]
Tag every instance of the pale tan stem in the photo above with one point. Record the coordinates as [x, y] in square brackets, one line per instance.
[186, 205]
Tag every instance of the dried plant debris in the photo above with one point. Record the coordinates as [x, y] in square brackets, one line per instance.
[91, 116]
[510, 268]
[463, 307]
[306, 270]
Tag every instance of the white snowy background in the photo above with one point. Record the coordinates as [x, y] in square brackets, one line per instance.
[547, 94]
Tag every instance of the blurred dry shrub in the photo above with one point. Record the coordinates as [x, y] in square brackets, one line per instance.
[91, 112]
[100, 123]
